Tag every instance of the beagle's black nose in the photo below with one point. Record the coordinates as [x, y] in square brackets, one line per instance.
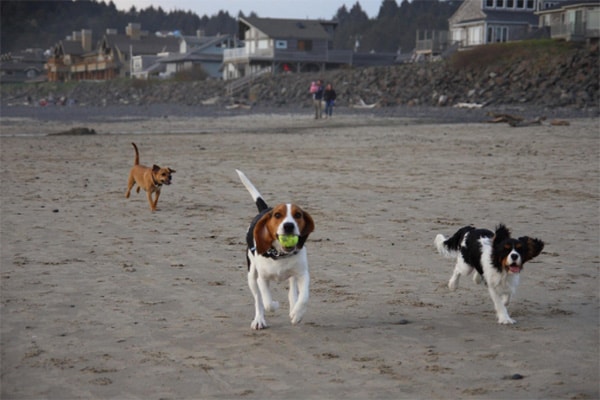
[288, 227]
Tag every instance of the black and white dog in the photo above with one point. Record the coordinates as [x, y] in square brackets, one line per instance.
[496, 257]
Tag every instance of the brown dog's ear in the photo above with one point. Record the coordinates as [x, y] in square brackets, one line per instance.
[534, 247]
[263, 238]
[309, 226]
[155, 168]
[172, 170]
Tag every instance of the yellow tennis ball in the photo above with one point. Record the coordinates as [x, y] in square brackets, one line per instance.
[288, 241]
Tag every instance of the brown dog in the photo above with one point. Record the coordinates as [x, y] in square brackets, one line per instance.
[149, 179]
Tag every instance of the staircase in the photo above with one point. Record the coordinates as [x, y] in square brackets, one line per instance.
[243, 82]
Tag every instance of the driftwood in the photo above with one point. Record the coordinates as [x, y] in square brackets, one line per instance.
[517, 121]
[511, 119]
[237, 106]
[560, 122]
[75, 132]
[468, 105]
[361, 104]
[535, 121]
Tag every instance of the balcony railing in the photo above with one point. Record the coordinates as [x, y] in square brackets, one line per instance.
[573, 31]
[330, 56]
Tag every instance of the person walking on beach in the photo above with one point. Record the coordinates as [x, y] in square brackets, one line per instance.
[329, 98]
[317, 91]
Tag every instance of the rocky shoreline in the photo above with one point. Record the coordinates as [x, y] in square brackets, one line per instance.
[561, 86]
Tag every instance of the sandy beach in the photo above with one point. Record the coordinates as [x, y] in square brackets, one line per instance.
[102, 299]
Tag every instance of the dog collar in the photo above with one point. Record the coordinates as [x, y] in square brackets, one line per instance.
[276, 254]
[156, 184]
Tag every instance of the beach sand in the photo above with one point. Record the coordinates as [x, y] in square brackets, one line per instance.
[103, 299]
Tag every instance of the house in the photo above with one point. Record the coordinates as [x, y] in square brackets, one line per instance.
[201, 51]
[67, 53]
[146, 66]
[283, 45]
[572, 20]
[430, 44]
[478, 22]
[22, 66]
[76, 59]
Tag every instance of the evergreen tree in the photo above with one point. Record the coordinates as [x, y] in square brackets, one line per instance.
[30, 23]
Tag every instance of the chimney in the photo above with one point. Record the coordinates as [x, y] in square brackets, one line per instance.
[199, 33]
[86, 40]
[133, 30]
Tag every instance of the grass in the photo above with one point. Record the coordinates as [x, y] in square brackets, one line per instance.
[502, 54]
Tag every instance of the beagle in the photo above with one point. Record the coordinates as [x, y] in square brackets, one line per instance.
[276, 252]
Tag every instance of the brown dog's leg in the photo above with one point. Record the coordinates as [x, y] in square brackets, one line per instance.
[157, 193]
[130, 183]
[152, 205]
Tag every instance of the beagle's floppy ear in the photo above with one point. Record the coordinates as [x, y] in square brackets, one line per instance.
[263, 238]
[534, 247]
[309, 226]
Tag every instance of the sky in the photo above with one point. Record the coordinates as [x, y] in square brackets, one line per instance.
[295, 9]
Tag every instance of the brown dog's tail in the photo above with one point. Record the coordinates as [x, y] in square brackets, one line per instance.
[137, 155]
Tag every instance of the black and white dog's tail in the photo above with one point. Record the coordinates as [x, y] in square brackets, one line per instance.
[256, 196]
[451, 246]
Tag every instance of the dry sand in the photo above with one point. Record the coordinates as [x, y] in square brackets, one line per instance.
[103, 299]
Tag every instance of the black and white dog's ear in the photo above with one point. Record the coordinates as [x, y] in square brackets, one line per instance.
[533, 247]
[502, 233]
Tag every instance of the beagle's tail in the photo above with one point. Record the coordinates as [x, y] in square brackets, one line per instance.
[256, 196]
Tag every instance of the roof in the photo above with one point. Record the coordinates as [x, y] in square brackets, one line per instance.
[145, 45]
[511, 17]
[505, 17]
[191, 56]
[71, 47]
[195, 41]
[200, 43]
[570, 4]
[289, 28]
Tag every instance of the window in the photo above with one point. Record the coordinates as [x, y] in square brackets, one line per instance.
[520, 3]
[262, 44]
[530, 4]
[305, 45]
[510, 3]
[474, 35]
[489, 3]
[499, 3]
[501, 34]
[497, 34]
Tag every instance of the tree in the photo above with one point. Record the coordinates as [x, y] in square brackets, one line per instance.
[388, 9]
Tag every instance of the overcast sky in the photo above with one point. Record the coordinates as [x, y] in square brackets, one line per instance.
[311, 9]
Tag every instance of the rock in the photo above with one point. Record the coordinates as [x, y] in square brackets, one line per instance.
[569, 80]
